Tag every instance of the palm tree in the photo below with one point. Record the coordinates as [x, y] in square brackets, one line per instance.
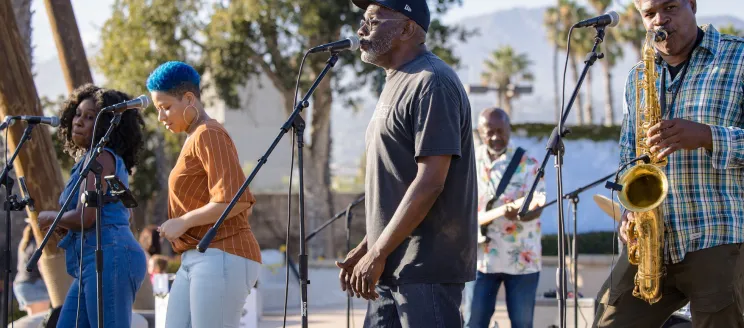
[612, 52]
[632, 29]
[581, 45]
[505, 68]
[559, 19]
[551, 21]
[731, 30]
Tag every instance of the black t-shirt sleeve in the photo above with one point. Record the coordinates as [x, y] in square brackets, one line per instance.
[436, 124]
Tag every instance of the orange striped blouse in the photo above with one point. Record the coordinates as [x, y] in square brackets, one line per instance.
[208, 170]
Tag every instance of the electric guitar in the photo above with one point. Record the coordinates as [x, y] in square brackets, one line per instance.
[495, 213]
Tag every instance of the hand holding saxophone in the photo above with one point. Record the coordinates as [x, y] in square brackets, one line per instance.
[668, 136]
[625, 224]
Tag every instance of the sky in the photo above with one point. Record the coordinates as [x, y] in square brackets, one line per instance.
[91, 14]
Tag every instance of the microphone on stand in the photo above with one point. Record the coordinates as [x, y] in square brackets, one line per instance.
[139, 102]
[50, 120]
[610, 19]
[616, 186]
[350, 43]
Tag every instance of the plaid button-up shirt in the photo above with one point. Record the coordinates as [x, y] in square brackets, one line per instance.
[705, 204]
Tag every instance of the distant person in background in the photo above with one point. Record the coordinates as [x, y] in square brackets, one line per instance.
[149, 239]
[157, 264]
[29, 288]
[509, 249]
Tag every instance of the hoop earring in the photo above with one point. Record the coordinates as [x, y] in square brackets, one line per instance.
[196, 119]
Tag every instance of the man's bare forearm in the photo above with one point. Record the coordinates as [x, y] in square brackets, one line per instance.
[416, 203]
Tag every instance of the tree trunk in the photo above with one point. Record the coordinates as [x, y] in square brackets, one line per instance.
[508, 105]
[588, 108]
[318, 195]
[556, 88]
[69, 44]
[609, 119]
[37, 160]
[577, 106]
[22, 11]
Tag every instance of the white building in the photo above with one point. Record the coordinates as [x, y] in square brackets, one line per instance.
[253, 127]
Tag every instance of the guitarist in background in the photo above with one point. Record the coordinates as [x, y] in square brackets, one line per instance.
[509, 249]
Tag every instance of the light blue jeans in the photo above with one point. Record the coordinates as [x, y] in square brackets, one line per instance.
[210, 289]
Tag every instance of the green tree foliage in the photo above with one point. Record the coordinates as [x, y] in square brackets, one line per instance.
[731, 30]
[505, 68]
[230, 42]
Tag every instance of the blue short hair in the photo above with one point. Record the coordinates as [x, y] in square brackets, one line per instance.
[174, 78]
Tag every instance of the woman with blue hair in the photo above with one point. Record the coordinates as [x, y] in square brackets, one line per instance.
[210, 288]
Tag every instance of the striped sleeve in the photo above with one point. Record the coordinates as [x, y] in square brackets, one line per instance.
[216, 151]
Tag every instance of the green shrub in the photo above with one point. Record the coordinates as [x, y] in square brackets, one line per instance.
[587, 243]
[590, 132]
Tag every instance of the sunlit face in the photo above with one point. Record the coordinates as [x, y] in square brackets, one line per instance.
[495, 131]
[677, 17]
[173, 112]
[81, 131]
[378, 34]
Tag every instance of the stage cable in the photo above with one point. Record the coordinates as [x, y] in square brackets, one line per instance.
[10, 300]
[286, 243]
[614, 231]
[85, 159]
[561, 246]
[289, 196]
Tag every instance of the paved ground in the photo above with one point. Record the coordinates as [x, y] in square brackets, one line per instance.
[321, 318]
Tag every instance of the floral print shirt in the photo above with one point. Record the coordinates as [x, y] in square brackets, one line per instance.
[514, 246]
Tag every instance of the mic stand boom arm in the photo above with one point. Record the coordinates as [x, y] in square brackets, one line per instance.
[555, 147]
[295, 122]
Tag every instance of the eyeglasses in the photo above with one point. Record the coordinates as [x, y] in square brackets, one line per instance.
[373, 23]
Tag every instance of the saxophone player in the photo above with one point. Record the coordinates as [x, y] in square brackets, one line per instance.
[700, 135]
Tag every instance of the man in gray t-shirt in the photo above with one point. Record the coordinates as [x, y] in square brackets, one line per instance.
[420, 246]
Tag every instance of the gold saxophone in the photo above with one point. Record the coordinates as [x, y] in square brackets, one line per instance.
[644, 186]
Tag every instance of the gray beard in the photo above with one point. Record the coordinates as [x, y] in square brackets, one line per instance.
[378, 48]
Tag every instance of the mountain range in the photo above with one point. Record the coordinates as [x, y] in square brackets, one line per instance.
[521, 28]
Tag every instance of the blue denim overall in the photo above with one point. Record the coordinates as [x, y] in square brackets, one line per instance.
[124, 261]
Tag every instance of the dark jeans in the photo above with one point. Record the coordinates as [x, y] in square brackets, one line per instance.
[415, 305]
[520, 298]
[711, 280]
[124, 269]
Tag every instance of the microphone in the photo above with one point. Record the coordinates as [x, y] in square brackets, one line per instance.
[139, 102]
[645, 158]
[51, 120]
[610, 19]
[350, 43]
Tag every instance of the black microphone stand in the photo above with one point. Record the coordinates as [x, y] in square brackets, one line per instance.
[91, 199]
[555, 147]
[297, 124]
[12, 204]
[573, 196]
[338, 215]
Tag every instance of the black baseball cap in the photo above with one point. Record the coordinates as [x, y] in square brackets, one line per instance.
[416, 10]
